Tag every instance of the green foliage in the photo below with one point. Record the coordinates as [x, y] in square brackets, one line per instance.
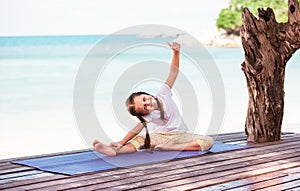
[230, 18]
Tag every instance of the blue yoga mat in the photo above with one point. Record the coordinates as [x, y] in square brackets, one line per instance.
[90, 161]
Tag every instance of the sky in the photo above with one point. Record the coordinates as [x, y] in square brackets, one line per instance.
[82, 17]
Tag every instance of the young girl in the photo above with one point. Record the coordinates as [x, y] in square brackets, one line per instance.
[161, 110]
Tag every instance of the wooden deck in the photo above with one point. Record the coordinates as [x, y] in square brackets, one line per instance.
[269, 166]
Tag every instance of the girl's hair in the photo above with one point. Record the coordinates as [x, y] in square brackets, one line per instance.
[131, 109]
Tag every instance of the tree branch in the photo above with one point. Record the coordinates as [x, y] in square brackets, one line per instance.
[293, 12]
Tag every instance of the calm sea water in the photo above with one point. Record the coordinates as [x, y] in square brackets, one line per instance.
[37, 77]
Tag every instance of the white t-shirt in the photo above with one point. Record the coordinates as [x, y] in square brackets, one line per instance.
[174, 121]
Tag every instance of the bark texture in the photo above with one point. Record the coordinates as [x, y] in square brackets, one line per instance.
[268, 46]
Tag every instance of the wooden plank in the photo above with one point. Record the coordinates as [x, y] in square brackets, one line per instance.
[230, 137]
[284, 137]
[25, 177]
[18, 174]
[247, 182]
[7, 165]
[13, 183]
[229, 134]
[257, 145]
[285, 186]
[295, 188]
[15, 170]
[276, 181]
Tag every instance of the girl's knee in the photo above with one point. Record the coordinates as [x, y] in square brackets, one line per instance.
[205, 143]
[138, 142]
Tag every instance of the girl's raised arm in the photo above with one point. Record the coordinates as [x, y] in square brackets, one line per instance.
[174, 70]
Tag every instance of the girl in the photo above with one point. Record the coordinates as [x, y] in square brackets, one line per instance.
[161, 110]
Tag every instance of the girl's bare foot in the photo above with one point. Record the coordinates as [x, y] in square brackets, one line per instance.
[95, 143]
[104, 149]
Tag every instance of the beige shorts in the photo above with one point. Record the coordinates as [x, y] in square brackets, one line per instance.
[205, 142]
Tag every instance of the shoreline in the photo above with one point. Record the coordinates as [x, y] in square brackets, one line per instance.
[218, 38]
[213, 38]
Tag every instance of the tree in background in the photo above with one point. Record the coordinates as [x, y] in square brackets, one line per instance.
[230, 18]
[268, 46]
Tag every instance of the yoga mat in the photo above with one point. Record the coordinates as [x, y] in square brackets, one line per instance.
[90, 161]
[222, 147]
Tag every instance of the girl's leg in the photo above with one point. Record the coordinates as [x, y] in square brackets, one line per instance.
[205, 142]
[188, 142]
[128, 148]
[191, 146]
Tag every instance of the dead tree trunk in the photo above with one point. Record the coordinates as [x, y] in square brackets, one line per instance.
[268, 46]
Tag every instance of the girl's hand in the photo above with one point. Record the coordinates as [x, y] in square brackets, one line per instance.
[116, 145]
[175, 46]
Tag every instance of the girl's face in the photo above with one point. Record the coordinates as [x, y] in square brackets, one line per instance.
[144, 104]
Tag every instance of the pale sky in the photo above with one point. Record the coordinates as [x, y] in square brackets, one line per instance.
[76, 17]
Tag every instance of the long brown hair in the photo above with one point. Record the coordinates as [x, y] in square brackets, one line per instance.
[131, 109]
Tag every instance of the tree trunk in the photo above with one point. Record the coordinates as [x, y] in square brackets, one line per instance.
[268, 46]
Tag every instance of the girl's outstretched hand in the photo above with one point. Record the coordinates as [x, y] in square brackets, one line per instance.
[175, 46]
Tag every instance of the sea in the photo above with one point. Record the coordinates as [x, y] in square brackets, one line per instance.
[58, 93]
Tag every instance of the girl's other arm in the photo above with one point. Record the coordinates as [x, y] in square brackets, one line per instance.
[134, 132]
